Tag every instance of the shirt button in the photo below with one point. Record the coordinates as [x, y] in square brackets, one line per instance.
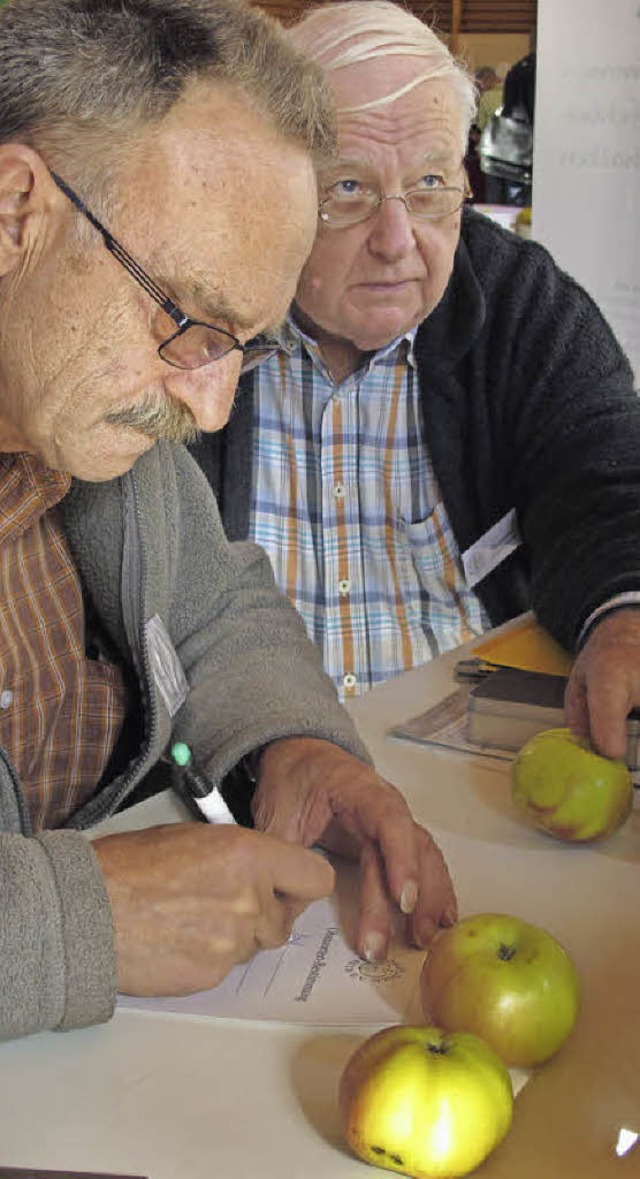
[339, 491]
[349, 680]
[344, 586]
[6, 699]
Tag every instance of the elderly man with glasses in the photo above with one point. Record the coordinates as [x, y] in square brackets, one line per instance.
[157, 202]
[448, 433]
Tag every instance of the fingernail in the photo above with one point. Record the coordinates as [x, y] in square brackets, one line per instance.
[450, 916]
[374, 947]
[409, 896]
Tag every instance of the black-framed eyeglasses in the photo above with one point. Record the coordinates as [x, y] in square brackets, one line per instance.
[427, 204]
[194, 343]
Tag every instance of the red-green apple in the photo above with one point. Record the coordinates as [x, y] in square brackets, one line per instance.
[507, 981]
[424, 1103]
[567, 789]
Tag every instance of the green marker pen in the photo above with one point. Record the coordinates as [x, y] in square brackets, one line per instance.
[207, 798]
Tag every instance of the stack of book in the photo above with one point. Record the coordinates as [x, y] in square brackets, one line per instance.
[513, 688]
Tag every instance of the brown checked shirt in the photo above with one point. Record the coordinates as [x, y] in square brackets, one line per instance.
[60, 711]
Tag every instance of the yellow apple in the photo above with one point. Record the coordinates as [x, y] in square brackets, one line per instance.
[507, 981]
[424, 1103]
[567, 789]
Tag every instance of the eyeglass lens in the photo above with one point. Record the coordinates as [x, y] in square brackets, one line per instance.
[428, 203]
[195, 345]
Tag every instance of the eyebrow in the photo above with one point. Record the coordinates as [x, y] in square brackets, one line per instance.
[215, 307]
[212, 304]
[431, 157]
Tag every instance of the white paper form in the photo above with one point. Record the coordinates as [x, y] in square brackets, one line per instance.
[316, 978]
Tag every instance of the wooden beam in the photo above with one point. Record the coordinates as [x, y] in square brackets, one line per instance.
[456, 23]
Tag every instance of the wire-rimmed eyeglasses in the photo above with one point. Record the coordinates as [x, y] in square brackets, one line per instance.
[194, 343]
[427, 204]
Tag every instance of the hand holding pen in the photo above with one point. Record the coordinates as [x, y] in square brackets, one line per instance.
[191, 900]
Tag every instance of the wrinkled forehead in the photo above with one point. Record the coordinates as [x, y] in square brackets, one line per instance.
[420, 120]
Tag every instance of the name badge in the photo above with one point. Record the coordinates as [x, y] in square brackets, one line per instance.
[491, 549]
[166, 667]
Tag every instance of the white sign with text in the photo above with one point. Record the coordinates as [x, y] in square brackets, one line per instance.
[586, 196]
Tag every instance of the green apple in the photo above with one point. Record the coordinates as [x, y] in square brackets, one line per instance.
[507, 981]
[563, 786]
[424, 1103]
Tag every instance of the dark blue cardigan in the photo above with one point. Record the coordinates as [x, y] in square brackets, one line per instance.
[528, 403]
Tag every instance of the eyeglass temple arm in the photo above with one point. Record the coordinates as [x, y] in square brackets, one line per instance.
[79, 204]
[123, 256]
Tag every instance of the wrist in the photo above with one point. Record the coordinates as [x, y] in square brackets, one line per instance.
[628, 602]
[289, 755]
[612, 624]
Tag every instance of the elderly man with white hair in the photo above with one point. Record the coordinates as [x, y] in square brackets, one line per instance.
[446, 433]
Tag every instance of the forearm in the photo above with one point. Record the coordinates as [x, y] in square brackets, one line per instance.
[57, 963]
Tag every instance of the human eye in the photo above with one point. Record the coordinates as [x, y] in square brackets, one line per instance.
[348, 189]
[430, 181]
[347, 199]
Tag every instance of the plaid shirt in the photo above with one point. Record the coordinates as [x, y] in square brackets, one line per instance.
[346, 504]
[60, 712]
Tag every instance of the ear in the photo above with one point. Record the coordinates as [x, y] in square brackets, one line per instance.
[27, 192]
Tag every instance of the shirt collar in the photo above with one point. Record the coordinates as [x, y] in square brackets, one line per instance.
[28, 489]
[292, 336]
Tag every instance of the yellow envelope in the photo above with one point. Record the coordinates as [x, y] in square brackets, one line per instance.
[527, 646]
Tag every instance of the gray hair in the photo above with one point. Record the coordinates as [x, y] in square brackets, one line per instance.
[81, 80]
[344, 34]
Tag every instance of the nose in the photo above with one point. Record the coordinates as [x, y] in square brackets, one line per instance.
[208, 391]
[391, 236]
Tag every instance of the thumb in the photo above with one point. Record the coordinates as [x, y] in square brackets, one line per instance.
[303, 874]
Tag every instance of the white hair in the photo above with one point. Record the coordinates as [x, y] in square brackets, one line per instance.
[344, 34]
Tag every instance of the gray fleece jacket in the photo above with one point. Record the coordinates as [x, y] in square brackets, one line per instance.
[221, 661]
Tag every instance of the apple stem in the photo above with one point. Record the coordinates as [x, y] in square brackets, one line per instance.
[506, 953]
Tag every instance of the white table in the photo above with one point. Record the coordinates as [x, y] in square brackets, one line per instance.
[175, 1097]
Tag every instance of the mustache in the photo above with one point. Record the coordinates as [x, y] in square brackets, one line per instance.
[161, 418]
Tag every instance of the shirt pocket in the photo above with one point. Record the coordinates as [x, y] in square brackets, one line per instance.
[432, 557]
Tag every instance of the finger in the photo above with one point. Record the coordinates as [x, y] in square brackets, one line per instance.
[437, 905]
[374, 926]
[388, 825]
[335, 839]
[301, 874]
[425, 923]
[276, 922]
[608, 724]
[423, 929]
[576, 709]
[598, 709]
